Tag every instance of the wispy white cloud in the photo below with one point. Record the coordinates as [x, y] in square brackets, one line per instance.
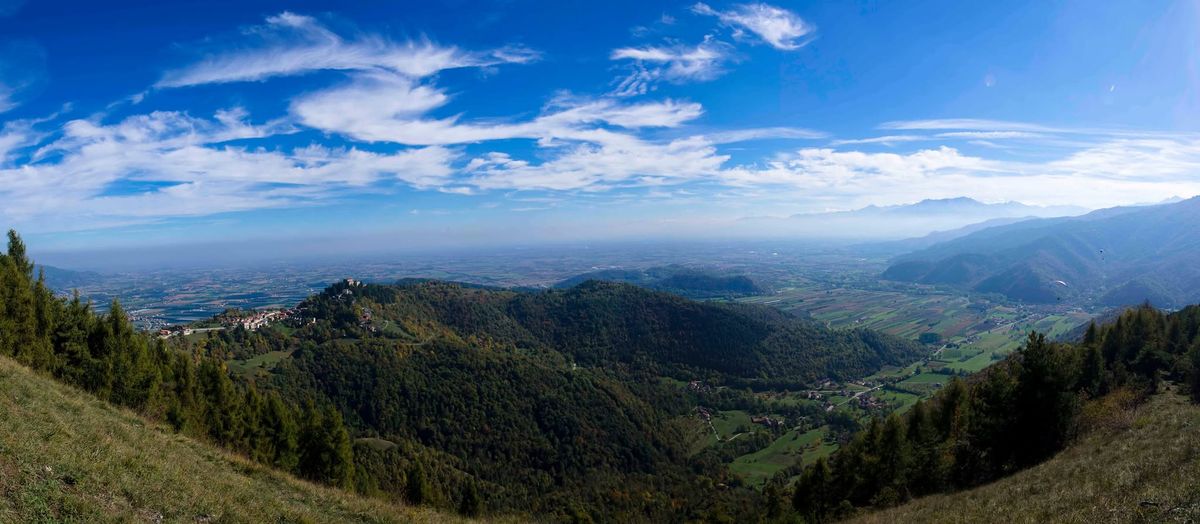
[1107, 173]
[584, 143]
[390, 122]
[292, 44]
[778, 27]
[22, 65]
[968, 124]
[6, 98]
[168, 164]
[985, 129]
[17, 135]
[1146, 160]
[893, 140]
[990, 135]
[601, 166]
[763, 133]
[391, 108]
[676, 64]
[887, 140]
[824, 168]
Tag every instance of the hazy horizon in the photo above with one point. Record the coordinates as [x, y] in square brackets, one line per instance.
[475, 125]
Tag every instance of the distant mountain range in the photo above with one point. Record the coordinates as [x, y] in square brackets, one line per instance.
[65, 280]
[905, 221]
[1117, 256]
[688, 282]
[909, 245]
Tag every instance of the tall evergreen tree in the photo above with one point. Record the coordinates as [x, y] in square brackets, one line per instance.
[927, 475]
[814, 496]
[1194, 373]
[416, 487]
[895, 460]
[326, 453]
[472, 502]
[1091, 375]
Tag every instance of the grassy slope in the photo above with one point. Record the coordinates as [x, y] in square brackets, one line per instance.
[66, 456]
[1148, 472]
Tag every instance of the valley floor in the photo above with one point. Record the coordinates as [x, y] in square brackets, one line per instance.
[67, 457]
[1148, 470]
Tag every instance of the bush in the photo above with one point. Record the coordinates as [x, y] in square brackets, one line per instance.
[1112, 412]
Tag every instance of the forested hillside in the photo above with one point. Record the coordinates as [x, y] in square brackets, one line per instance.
[1134, 464]
[577, 404]
[1013, 415]
[1117, 257]
[557, 404]
[688, 282]
[554, 401]
[189, 392]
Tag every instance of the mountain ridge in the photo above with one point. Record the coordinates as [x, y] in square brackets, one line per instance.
[901, 221]
[586, 384]
[1113, 257]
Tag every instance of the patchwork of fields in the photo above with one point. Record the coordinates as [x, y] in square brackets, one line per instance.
[965, 335]
[972, 331]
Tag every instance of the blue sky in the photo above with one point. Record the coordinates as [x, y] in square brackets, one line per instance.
[460, 123]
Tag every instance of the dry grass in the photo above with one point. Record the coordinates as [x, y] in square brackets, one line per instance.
[67, 457]
[1144, 471]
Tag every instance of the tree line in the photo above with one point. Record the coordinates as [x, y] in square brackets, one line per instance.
[106, 356]
[1015, 414]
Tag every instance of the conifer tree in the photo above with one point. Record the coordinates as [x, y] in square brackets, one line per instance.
[341, 467]
[416, 487]
[472, 503]
[280, 424]
[1194, 375]
[813, 497]
[926, 476]
[895, 456]
[1091, 375]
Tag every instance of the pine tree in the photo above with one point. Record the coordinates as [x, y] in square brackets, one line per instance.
[472, 503]
[1091, 375]
[71, 339]
[927, 475]
[895, 457]
[1045, 403]
[813, 497]
[220, 402]
[279, 422]
[1194, 375]
[341, 467]
[326, 454]
[21, 309]
[16, 254]
[1091, 337]
[416, 487]
[772, 500]
[258, 441]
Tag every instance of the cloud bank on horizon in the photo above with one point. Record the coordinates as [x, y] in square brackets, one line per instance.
[315, 112]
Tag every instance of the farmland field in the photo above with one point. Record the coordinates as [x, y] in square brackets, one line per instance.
[785, 451]
[266, 360]
[971, 330]
[965, 333]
